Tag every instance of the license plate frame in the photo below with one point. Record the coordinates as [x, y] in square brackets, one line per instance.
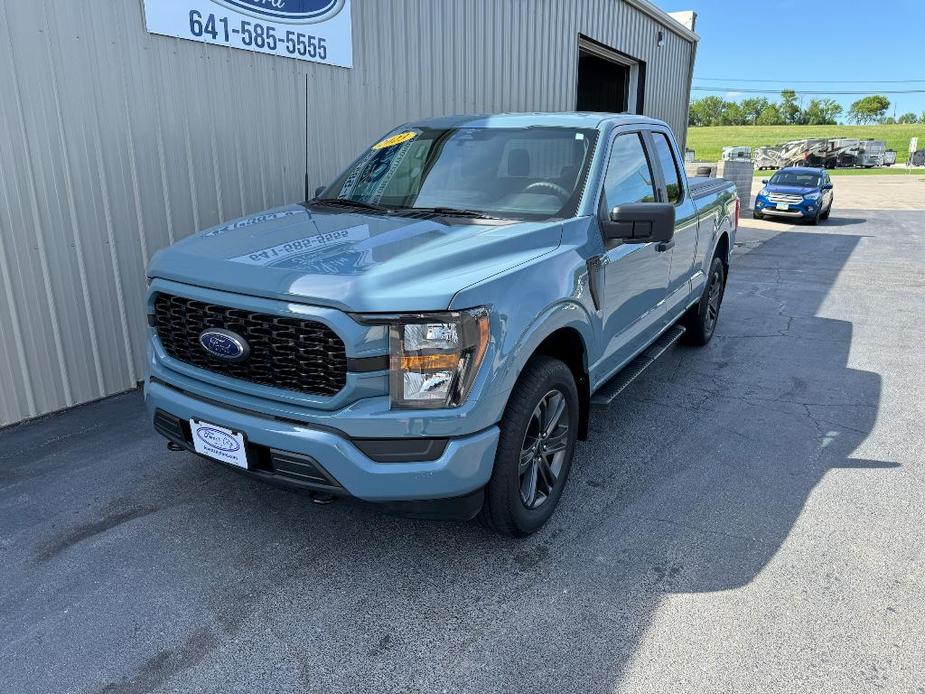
[783, 206]
[219, 443]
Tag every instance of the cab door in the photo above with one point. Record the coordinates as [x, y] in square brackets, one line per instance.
[686, 232]
[635, 275]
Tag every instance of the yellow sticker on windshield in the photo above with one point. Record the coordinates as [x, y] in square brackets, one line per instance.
[395, 140]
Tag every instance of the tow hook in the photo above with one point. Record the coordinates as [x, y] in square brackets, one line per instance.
[322, 498]
[175, 447]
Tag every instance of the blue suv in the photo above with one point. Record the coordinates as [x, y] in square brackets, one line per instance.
[799, 192]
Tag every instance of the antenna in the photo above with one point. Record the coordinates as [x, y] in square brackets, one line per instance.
[306, 136]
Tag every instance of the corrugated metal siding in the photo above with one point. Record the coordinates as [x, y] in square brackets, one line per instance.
[114, 143]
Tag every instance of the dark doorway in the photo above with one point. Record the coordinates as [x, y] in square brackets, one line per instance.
[602, 84]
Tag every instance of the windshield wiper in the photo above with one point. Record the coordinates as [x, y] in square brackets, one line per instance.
[450, 212]
[347, 202]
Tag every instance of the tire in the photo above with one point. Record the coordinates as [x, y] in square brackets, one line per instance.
[700, 320]
[757, 215]
[518, 497]
[828, 210]
[814, 220]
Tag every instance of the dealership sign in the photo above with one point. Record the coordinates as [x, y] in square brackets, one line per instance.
[316, 30]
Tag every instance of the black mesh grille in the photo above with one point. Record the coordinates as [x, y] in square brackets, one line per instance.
[301, 355]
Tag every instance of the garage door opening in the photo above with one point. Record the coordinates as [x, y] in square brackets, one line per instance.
[608, 81]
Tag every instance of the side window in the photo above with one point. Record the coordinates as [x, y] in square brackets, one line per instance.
[629, 177]
[669, 167]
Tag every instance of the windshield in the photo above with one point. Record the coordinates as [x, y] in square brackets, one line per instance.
[532, 173]
[793, 178]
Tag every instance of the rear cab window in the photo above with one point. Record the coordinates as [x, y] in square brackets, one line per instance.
[669, 167]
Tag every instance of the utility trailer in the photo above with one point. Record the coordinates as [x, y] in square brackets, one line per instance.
[767, 157]
[840, 152]
[871, 153]
[831, 153]
[806, 153]
[737, 153]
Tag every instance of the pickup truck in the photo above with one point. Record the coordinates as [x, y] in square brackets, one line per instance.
[432, 329]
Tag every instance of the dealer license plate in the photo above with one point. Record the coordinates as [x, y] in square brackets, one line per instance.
[219, 443]
[783, 206]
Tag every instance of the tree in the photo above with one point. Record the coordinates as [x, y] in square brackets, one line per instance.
[908, 118]
[869, 109]
[771, 115]
[732, 114]
[821, 112]
[706, 111]
[752, 108]
[789, 108]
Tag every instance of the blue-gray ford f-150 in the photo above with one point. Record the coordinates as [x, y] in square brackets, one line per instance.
[431, 330]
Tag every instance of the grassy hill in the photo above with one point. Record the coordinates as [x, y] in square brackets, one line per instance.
[708, 143]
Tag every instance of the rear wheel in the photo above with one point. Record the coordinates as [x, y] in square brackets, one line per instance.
[700, 320]
[535, 449]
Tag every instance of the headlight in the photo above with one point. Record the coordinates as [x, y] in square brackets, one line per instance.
[764, 192]
[435, 357]
[812, 196]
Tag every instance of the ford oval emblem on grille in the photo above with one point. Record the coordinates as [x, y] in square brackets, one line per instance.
[225, 344]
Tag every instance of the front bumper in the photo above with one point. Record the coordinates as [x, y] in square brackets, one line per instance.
[805, 210]
[326, 458]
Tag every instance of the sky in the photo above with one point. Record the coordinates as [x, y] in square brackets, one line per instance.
[783, 41]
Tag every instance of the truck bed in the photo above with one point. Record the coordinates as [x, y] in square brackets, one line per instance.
[701, 186]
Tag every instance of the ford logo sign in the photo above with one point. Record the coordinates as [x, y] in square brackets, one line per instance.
[217, 439]
[225, 345]
[289, 11]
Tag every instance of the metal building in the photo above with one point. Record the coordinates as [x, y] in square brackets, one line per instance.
[115, 142]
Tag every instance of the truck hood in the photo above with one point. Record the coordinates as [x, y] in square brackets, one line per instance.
[352, 261]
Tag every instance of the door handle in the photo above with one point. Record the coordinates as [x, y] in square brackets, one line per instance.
[667, 246]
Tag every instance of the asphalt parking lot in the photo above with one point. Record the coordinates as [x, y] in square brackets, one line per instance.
[746, 517]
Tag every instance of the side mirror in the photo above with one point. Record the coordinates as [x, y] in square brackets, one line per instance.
[827, 186]
[319, 190]
[765, 181]
[641, 222]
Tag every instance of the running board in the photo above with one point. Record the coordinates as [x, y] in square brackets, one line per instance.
[608, 392]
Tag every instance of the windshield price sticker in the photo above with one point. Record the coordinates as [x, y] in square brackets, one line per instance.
[395, 140]
[315, 30]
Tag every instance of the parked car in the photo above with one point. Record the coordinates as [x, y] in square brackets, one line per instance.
[799, 192]
[431, 330]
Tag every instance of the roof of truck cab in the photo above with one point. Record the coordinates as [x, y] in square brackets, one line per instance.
[562, 119]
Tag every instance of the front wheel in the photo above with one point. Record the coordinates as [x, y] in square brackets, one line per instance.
[535, 449]
[700, 319]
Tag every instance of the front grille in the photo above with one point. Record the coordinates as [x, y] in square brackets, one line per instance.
[289, 353]
[784, 197]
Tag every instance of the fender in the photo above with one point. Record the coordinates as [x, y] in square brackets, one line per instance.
[564, 314]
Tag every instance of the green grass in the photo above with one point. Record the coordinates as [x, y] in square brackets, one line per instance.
[708, 143]
[885, 171]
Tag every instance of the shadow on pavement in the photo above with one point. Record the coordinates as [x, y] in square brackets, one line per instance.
[130, 569]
